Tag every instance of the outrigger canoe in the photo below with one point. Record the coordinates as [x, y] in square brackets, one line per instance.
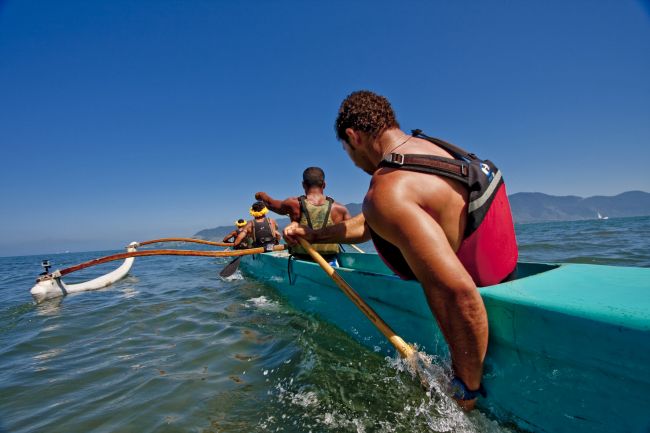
[569, 347]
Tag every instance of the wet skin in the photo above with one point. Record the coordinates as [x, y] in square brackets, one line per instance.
[424, 216]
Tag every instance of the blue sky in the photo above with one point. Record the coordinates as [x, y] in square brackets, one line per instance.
[125, 120]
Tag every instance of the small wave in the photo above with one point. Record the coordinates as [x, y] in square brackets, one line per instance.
[11, 316]
[261, 302]
[44, 356]
[129, 292]
[234, 277]
[49, 307]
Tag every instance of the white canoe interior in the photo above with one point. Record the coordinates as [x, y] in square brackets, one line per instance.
[55, 287]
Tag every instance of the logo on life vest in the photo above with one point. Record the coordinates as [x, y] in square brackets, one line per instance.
[486, 169]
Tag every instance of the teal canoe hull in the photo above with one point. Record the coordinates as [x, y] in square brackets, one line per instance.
[569, 347]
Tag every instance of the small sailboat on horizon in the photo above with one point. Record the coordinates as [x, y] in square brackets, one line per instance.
[600, 217]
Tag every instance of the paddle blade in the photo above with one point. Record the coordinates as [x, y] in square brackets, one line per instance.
[230, 268]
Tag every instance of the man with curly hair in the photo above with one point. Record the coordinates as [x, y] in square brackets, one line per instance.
[436, 213]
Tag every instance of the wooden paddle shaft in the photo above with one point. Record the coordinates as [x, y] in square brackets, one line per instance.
[403, 348]
[120, 256]
[196, 241]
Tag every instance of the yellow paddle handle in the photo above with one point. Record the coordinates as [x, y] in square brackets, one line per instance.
[403, 348]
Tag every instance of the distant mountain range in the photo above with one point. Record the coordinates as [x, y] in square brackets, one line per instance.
[530, 207]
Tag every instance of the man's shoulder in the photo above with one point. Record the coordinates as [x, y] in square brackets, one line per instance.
[334, 201]
[388, 181]
[398, 188]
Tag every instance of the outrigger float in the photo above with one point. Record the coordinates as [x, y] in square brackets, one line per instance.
[50, 284]
[569, 347]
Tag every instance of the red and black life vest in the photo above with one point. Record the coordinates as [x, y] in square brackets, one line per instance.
[489, 247]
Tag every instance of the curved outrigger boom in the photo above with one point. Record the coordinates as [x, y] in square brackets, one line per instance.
[51, 286]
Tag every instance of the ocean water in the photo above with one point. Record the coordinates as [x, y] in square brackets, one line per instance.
[175, 348]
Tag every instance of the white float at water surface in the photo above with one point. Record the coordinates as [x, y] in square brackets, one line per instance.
[52, 286]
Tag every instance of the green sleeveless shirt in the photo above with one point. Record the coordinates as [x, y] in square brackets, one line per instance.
[316, 217]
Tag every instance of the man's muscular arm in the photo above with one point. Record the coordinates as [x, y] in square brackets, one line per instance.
[289, 206]
[242, 235]
[395, 214]
[276, 230]
[232, 234]
[340, 213]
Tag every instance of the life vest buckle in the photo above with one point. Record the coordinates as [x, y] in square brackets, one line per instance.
[396, 158]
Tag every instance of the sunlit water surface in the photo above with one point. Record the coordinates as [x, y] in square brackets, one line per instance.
[174, 348]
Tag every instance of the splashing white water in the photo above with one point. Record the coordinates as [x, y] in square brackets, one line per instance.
[234, 277]
[440, 410]
[261, 302]
[429, 410]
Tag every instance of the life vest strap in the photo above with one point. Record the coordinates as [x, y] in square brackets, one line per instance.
[303, 209]
[459, 152]
[329, 210]
[323, 249]
[428, 164]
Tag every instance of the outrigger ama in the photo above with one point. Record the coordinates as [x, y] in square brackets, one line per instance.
[50, 285]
